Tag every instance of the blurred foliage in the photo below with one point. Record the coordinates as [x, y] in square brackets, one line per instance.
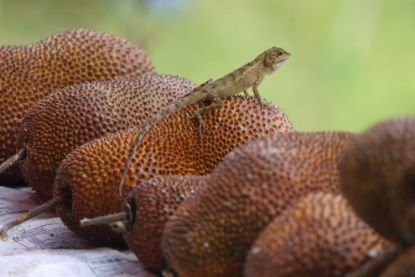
[352, 64]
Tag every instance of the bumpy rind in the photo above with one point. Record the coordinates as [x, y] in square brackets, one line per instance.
[154, 202]
[93, 171]
[212, 232]
[72, 116]
[377, 173]
[29, 73]
[319, 235]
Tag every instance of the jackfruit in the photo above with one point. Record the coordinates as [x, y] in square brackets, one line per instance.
[212, 232]
[29, 73]
[91, 174]
[319, 235]
[377, 174]
[59, 123]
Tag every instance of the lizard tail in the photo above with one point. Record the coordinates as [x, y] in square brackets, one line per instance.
[127, 168]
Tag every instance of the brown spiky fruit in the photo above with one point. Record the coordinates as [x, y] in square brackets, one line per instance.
[212, 232]
[29, 73]
[57, 124]
[403, 266]
[377, 173]
[319, 235]
[153, 203]
[91, 174]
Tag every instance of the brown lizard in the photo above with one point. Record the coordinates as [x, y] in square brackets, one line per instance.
[249, 75]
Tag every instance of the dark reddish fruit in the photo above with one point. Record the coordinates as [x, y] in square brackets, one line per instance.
[377, 173]
[154, 202]
[59, 123]
[29, 73]
[212, 232]
[91, 174]
[319, 235]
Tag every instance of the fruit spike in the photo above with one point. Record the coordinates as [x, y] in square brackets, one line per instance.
[377, 174]
[318, 235]
[91, 173]
[30, 214]
[29, 73]
[59, 123]
[105, 219]
[211, 232]
[12, 160]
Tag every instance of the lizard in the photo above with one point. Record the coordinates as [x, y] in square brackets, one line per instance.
[240, 80]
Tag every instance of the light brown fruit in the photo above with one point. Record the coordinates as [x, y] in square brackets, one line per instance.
[29, 73]
[57, 124]
[377, 173]
[318, 235]
[212, 232]
[153, 203]
[92, 173]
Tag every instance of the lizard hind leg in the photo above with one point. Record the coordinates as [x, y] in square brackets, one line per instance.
[206, 83]
[200, 113]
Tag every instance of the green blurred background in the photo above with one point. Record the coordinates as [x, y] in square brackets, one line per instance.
[352, 63]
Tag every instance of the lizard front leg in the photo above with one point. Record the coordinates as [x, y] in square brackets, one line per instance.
[257, 95]
[200, 113]
[256, 91]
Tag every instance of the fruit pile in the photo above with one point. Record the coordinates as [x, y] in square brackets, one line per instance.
[248, 197]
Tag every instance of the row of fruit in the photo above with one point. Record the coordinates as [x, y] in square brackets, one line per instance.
[250, 196]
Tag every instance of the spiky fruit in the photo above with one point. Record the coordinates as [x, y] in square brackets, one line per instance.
[212, 232]
[92, 173]
[29, 73]
[57, 124]
[319, 235]
[154, 202]
[377, 173]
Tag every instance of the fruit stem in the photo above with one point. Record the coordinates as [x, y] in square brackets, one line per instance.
[376, 266]
[30, 214]
[12, 160]
[106, 219]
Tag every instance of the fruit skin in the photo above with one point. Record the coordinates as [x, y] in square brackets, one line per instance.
[403, 266]
[30, 72]
[377, 173]
[154, 202]
[212, 232]
[72, 116]
[318, 235]
[92, 172]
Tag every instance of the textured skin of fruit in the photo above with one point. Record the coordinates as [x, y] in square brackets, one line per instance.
[377, 173]
[403, 266]
[212, 232]
[319, 235]
[154, 202]
[92, 172]
[29, 73]
[57, 124]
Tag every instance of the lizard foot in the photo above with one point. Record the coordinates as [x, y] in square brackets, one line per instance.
[198, 118]
[257, 95]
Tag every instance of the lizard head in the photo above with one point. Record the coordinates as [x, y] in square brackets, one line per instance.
[273, 58]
